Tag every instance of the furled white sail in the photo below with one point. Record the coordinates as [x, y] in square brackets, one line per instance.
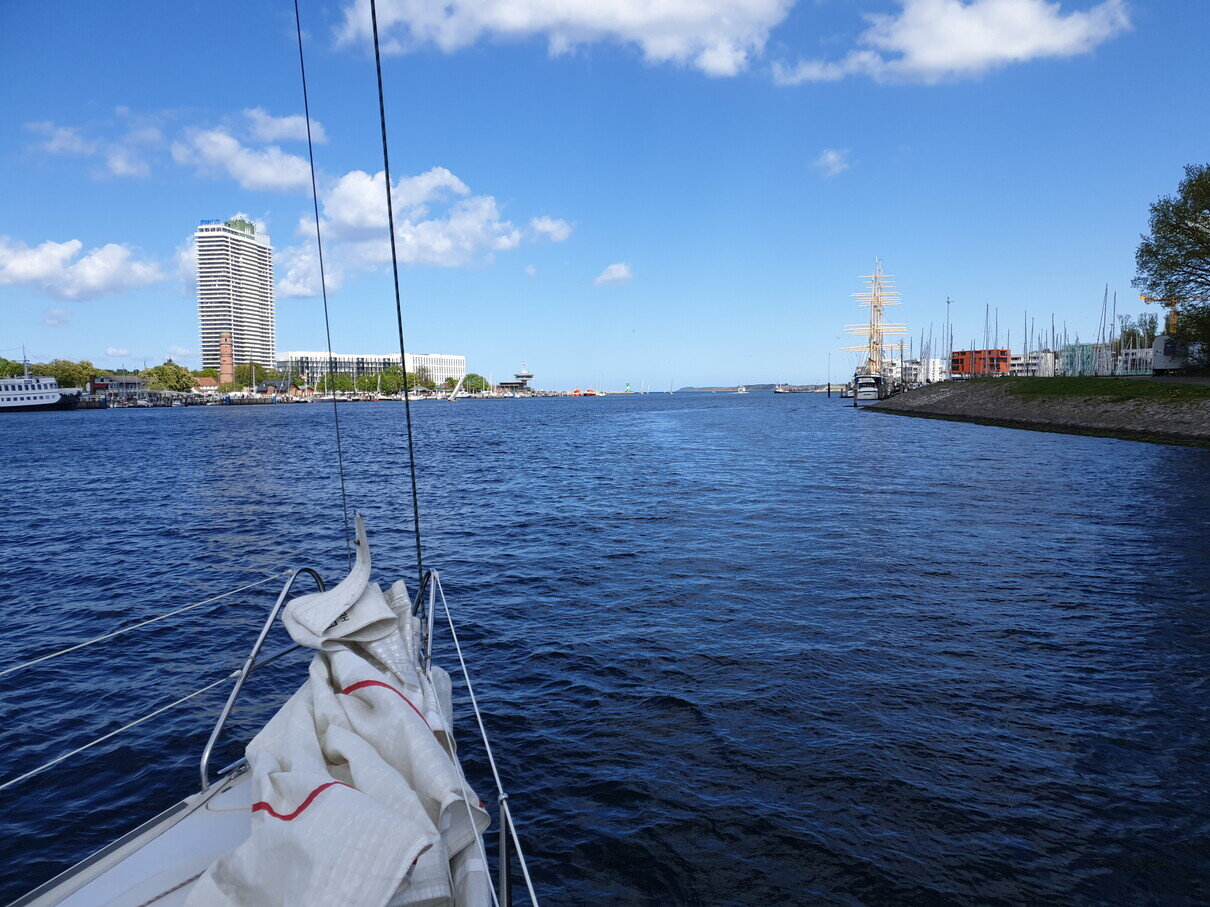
[358, 797]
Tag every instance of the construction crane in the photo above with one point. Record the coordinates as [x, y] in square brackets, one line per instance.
[1170, 305]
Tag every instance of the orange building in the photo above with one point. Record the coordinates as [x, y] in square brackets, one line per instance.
[980, 362]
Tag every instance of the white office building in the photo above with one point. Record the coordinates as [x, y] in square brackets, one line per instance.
[916, 371]
[1034, 364]
[312, 365]
[235, 291]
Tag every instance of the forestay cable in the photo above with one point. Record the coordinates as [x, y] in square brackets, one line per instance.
[506, 819]
[403, 359]
[323, 284]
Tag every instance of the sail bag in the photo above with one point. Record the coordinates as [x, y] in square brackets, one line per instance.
[358, 796]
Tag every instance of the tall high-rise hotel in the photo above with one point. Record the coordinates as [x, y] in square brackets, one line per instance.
[235, 291]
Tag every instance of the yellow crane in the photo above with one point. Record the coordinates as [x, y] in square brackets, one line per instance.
[1170, 305]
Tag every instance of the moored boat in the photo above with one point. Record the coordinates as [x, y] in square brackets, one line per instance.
[36, 393]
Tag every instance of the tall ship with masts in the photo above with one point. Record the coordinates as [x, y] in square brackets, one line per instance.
[872, 379]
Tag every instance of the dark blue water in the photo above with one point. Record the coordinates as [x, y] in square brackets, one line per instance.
[748, 650]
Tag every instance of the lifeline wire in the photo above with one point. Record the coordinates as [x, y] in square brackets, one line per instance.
[323, 283]
[44, 766]
[144, 623]
[403, 359]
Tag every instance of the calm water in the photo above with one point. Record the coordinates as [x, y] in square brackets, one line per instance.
[755, 650]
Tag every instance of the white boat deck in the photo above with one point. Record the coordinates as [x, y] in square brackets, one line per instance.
[159, 861]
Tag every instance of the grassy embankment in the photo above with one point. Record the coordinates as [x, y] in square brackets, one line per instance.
[1115, 390]
[1141, 409]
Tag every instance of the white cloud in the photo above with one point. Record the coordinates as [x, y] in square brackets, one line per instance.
[59, 270]
[186, 265]
[832, 161]
[57, 318]
[61, 139]
[718, 37]
[298, 267]
[267, 128]
[122, 157]
[355, 207]
[438, 222]
[116, 351]
[553, 228]
[123, 161]
[217, 151]
[614, 274]
[531, 271]
[933, 40]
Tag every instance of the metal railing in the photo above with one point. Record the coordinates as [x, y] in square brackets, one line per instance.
[424, 606]
[111, 635]
[251, 664]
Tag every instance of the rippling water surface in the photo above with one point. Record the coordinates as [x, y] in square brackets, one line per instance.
[731, 649]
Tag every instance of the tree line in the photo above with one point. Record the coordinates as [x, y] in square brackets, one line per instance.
[171, 376]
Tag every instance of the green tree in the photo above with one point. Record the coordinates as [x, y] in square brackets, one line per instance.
[424, 378]
[475, 383]
[244, 372]
[450, 383]
[66, 372]
[10, 368]
[206, 373]
[168, 377]
[367, 383]
[227, 387]
[392, 379]
[1173, 259]
[340, 382]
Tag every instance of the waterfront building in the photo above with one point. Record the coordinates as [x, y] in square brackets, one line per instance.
[235, 292]
[521, 381]
[915, 371]
[1086, 359]
[980, 362]
[116, 384]
[1034, 364]
[312, 365]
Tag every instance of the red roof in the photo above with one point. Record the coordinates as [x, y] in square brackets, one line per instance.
[207, 381]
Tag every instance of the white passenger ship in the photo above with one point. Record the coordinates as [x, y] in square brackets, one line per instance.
[32, 393]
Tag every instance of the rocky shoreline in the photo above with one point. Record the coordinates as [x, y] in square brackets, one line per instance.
[992, 402]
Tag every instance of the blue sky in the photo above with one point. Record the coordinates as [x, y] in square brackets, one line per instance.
[610, 190]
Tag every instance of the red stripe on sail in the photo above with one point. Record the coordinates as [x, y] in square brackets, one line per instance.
[262, 806]
[360, 685]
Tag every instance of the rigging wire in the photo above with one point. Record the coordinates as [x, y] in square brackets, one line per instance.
[323, 283]
[44, 766]
[144, 623]
[403, 359]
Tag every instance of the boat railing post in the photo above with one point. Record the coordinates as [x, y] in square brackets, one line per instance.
[428, 646]
[246, 670]
[505, 880]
